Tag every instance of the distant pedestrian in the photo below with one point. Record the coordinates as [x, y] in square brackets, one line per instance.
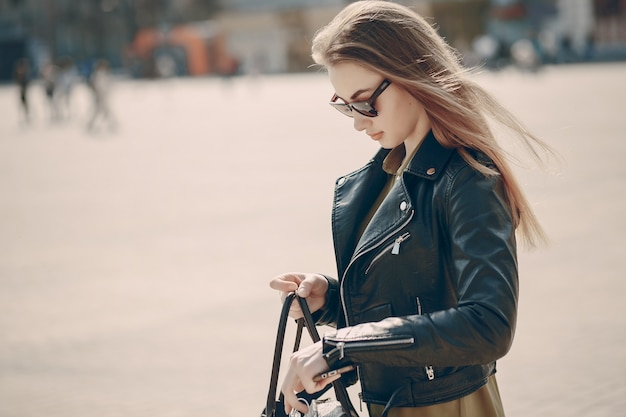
[100, 82]
[49, 78]
[22, 79]
[65, 81]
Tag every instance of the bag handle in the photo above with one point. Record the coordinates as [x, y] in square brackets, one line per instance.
[340, 390]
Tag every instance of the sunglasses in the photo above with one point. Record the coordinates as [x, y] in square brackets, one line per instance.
[366, 108]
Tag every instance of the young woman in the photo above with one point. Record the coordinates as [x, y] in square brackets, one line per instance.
[424, 233]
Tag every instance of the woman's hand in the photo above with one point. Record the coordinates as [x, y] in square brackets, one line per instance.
[313, 287]
[304, 365]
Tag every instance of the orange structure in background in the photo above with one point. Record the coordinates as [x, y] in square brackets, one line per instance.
[193, 49]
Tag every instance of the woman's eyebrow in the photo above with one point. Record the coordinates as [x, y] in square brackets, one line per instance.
[359, 92]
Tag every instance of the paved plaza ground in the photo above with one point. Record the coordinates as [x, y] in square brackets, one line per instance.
[134, 262]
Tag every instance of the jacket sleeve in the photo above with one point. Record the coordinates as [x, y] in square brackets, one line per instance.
[480, 258]
[329, 314]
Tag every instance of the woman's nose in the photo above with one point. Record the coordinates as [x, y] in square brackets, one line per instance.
[360, 121]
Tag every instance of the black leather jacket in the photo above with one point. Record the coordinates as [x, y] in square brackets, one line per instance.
[427, 297]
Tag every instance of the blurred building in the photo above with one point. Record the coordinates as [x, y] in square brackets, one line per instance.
[196, 48]
[45, 30]
[197, 37]
[274, 36]
[560, 30]
[86, 30]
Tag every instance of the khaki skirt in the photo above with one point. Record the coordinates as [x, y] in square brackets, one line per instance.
[484, 402]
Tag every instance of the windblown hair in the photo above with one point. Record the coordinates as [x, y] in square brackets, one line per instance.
[399, 44]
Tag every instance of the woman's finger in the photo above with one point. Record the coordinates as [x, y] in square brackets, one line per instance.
[291, 385]
[285, 285]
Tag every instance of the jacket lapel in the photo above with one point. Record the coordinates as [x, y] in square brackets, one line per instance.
[355, 194]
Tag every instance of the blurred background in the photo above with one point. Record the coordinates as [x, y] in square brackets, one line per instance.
[162, 160]
[159, 38]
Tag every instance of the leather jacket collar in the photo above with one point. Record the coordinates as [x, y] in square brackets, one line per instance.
[430, 159]
[428, 162]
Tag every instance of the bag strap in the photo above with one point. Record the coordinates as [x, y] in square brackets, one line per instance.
[340, 389]
[307, 321]
[278, 350]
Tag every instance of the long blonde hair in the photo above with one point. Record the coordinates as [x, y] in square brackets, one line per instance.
[396, 42]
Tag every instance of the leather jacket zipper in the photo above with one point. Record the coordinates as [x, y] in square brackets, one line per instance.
[340, 346]
[343, 279]
[394, 248]
[430, 372]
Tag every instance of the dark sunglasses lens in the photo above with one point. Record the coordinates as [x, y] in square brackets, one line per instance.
[343, 108]
[365, 109]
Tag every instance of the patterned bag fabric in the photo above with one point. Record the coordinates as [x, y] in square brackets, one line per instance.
[322, 408]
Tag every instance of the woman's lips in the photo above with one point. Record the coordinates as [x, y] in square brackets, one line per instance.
[376, 136]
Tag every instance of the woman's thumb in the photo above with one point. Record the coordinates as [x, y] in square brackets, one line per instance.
[304, 289]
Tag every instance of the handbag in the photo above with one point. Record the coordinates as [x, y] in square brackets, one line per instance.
[339, 407]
